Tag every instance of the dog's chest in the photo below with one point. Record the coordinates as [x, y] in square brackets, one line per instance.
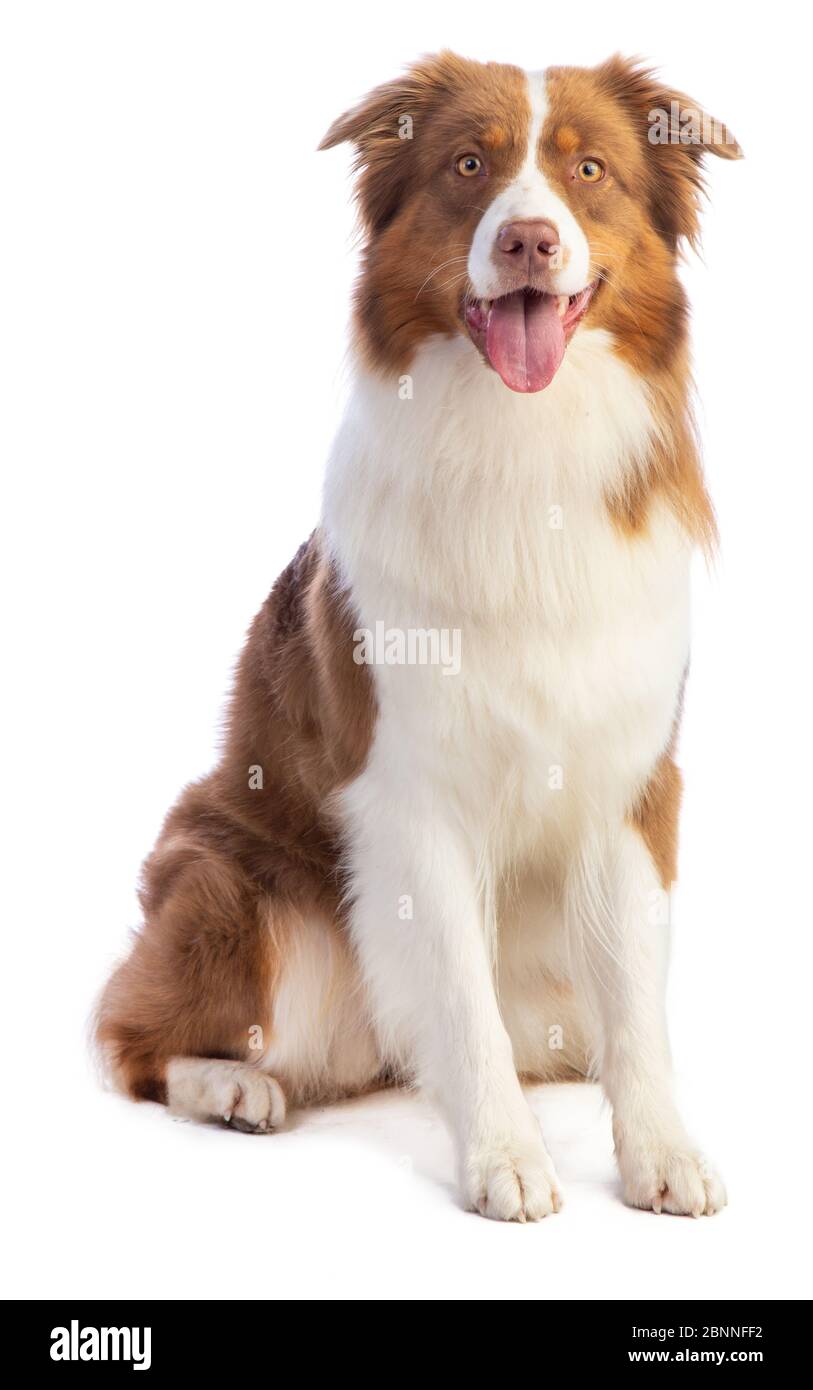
[561, 706]
[577, 696]
[484, 518]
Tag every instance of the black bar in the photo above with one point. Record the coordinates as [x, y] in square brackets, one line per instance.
[242, 1339]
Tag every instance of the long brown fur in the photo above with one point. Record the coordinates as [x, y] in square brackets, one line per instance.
[236, 863]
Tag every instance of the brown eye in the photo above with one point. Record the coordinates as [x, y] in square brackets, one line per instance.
[468, 165]
[591, 171]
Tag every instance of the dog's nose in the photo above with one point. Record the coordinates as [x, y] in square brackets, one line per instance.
[528, 242]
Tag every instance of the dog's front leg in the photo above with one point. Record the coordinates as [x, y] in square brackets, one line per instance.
[418, 928]
[624, 935]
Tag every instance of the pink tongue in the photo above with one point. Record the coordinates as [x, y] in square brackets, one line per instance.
[525, 340]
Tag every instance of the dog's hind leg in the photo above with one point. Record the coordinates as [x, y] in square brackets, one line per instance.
[233, 998]
[197, 986]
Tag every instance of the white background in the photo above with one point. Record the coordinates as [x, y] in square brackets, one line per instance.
[175, 264]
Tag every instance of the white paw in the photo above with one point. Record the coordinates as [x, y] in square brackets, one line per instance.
[511, 1182]
[659, 1177]
[231, 1092]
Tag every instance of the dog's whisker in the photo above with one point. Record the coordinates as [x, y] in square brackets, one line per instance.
[442, 266]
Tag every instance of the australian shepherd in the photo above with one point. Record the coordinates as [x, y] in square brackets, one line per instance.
[439, 846]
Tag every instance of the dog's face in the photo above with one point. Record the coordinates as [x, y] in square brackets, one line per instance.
[512, 207]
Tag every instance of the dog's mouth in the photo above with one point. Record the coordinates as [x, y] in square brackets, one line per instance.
[524, 334]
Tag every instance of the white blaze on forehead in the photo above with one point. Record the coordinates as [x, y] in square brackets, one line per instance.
[530, 195]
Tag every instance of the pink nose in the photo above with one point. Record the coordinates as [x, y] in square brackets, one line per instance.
[528, 242]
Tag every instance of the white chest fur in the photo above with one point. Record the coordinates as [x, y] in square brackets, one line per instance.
[452, 503]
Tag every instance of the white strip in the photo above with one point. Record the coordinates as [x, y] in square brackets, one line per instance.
[530, 196]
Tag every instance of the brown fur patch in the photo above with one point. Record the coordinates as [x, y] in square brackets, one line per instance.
[656, 814]
[567, 139]
[235, 862]
[495, 137]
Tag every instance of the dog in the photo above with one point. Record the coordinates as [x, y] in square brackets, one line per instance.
[456, 873]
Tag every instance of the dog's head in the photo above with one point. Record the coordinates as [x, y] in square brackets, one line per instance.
[512, 207]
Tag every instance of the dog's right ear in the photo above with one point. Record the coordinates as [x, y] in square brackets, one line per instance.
[383, 127]
[375, 118]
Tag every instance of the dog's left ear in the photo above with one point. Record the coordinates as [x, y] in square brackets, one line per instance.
[678, 134]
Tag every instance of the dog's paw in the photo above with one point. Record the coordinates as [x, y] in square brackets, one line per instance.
[511, 1182]
[230, 1092]
[255, 1103]
[661, 1177]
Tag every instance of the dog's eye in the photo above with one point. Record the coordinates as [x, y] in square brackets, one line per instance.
[468, 165]
[591, 171]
